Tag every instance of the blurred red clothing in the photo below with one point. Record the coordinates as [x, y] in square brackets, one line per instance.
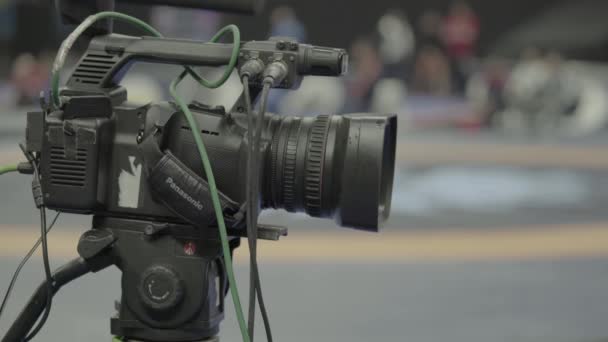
[460, 33]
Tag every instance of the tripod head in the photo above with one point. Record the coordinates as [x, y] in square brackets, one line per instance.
[137, 171]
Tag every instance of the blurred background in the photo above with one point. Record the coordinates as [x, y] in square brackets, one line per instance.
[498, 231]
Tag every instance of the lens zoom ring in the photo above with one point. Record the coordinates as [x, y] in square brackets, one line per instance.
[289, 167]
[314, 165]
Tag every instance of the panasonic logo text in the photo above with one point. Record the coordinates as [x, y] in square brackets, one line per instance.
[183, 194]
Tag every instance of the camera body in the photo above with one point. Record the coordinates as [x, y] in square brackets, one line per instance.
[333, 166]
[137, 171]
[94, 165]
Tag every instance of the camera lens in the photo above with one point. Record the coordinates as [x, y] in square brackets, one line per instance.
[337, 166]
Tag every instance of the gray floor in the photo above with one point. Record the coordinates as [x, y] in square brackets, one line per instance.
[523, 301]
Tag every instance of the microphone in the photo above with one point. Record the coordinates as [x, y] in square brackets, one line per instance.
[322, 61]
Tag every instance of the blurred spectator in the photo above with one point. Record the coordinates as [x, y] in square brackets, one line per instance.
[540, 94]
[432, 73]
[526, 81]
[460, 33]
[561, 94]
[522, 91]
[485, 88]
[396, 48]
[185, 23]
[29, 77]
[396, 43]
[366, 70]
[284, 23]
[429, 30]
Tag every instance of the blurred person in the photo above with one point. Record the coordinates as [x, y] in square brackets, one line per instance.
[591, 112]
[429, 29]
[460, 33]
[522, 91]
[365, 71]
[432, 74]
[485, 88]
[285, 23]
[29, 77]
[396, 49]
[526, 77]
[543, 94]
[556, 100]
[432, 71]
[561, 95]
[397, 43]
[185, 23]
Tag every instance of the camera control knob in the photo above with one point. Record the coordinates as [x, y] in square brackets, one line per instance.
[161, 288]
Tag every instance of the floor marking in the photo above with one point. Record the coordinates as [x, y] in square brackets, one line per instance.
[430, 245]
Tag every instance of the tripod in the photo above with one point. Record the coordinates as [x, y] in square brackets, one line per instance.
[173, 279]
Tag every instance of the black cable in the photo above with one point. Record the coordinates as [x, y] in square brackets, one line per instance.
[252, 188]
[38, 199]
[45, 246]
[251, 238]
[257, 168]
[47, 270]
[21, 265]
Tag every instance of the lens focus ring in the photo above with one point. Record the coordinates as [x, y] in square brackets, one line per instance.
[289, 168]
[314, 165]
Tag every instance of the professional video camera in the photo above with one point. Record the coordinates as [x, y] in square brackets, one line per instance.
[137, 170]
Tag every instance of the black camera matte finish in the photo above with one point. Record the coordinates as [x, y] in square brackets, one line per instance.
[73, 162]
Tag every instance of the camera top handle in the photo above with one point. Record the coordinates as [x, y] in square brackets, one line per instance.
[109, 56]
